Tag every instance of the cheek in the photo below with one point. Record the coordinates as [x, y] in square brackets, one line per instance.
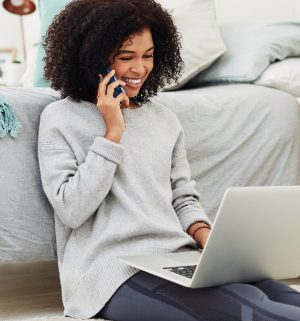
[150, 67]
[120, 70]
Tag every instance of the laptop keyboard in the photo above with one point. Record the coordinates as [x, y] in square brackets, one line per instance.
[185, 270]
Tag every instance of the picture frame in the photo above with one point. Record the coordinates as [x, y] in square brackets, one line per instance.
[7, 55]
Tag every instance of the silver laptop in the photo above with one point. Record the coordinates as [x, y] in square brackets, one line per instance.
[255, 236]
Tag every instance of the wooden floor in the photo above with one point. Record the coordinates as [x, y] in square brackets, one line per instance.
[32, 289]
[29, 290]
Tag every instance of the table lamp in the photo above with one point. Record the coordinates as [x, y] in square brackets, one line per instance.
[21, 8]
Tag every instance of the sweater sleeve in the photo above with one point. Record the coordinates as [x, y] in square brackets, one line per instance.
[186, 199]
[75, 191]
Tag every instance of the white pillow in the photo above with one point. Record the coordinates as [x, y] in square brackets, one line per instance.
[202, 43]
[283, 75]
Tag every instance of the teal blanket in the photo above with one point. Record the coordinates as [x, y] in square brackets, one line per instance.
[8, 120]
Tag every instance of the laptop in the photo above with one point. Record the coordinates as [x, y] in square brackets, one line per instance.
[255, 236]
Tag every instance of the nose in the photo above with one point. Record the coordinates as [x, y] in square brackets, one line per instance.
[138, 68]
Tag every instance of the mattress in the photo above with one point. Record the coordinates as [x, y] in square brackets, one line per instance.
[235, 135]
[238, 135]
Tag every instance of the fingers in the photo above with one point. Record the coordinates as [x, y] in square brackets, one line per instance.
[122, 97]
[125, 102]
[104, 82]
[111, 87]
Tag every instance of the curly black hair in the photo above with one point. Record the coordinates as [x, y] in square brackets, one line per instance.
[86, 29]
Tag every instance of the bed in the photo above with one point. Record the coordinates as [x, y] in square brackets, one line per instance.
[236, 101]
[236, 135]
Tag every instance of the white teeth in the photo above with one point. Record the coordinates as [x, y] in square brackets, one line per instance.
[133, 81]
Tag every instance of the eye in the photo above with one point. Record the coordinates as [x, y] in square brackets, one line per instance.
[129, 58]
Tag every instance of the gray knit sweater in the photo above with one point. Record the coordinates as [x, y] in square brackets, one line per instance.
[109, 199]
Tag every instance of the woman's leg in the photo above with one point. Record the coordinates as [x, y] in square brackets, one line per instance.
[147, 297]
[138, 300]
[258, 305]
[279, 292]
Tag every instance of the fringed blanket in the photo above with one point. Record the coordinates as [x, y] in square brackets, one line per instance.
[8, 120]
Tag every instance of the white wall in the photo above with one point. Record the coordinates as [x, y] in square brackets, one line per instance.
[257, 11]
[10, 30]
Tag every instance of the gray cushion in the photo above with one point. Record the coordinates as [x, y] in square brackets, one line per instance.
[26, 216]
[250, 50]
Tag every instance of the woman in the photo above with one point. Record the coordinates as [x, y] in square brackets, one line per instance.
[116, 173]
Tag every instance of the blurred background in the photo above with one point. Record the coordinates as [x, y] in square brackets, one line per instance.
[20, 34]
[257, 11]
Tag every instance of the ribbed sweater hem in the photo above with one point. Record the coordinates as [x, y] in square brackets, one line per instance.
[90, 295]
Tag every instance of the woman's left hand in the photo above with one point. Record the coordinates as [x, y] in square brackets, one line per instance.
[201, 236]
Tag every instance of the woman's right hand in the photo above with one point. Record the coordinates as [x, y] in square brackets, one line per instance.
[110, 107]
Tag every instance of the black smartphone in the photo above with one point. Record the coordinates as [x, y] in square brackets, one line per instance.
[104, 70]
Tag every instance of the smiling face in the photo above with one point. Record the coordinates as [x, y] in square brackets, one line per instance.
[134, 61]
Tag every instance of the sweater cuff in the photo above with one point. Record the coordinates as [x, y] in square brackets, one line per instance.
[108, 149]
[192, 217]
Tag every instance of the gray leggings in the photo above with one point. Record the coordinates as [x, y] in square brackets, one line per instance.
[145, 297]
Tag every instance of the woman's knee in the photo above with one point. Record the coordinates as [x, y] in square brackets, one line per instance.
[260, 302]
[279, 292]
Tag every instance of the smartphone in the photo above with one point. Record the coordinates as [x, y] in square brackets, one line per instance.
[104, 71]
